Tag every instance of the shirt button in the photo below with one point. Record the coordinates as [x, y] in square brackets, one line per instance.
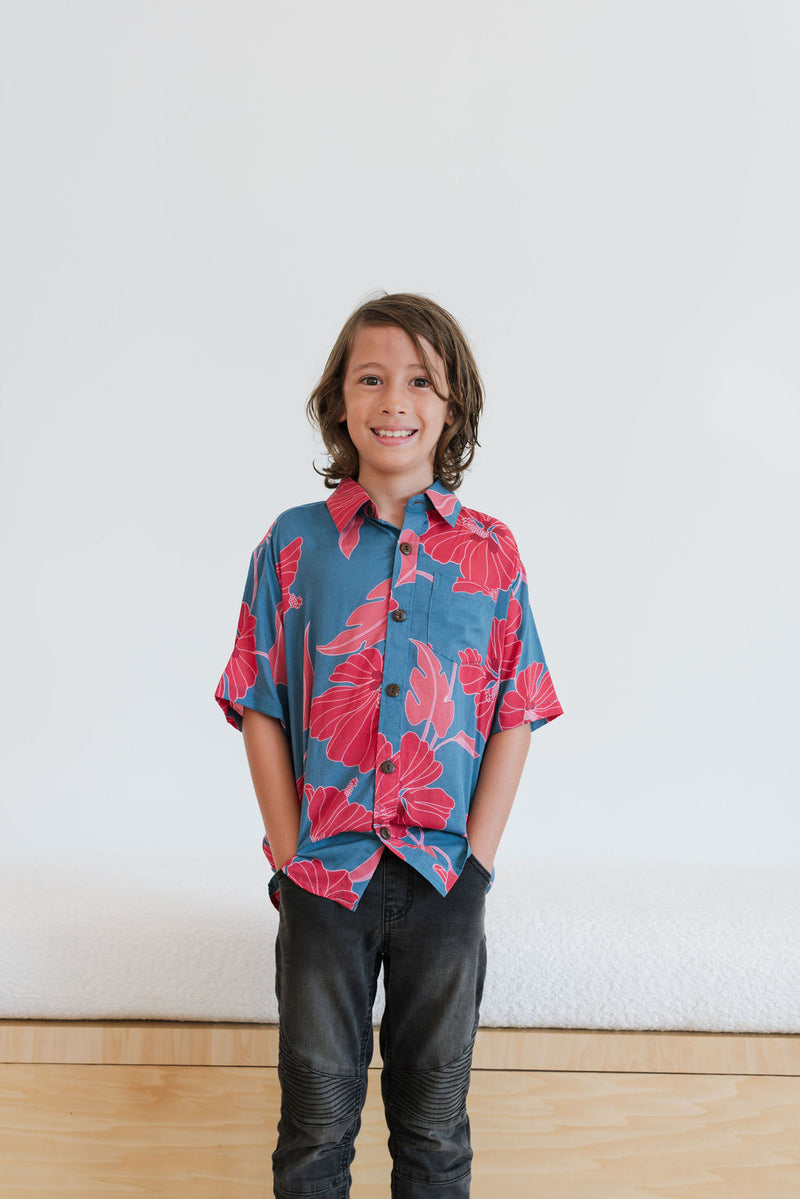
[393, 689]
[384, 832]
[387, 767]
[405, 548]
[398, 614]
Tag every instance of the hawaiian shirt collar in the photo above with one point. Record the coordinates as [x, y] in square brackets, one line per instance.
[446, 502]
[349, 497]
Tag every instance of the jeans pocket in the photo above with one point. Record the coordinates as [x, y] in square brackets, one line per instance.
[485, 874]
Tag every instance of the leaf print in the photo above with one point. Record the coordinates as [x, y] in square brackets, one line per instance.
[344, 507]
[276, 654]
[408, 563]
[368, 868]
[308, 680]
[448, 876]
[288, 562]
[429, 697]
[466, 742]
[446, 504]
[366, 624]
[348, 538]
[348, 712]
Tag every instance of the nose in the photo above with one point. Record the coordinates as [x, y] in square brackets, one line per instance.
[393, 399]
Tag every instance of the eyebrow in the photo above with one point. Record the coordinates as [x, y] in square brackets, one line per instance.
[412, 366]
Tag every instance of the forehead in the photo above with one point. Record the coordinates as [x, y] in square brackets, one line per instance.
[389, 345]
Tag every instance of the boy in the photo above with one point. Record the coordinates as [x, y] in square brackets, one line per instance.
[386, 676]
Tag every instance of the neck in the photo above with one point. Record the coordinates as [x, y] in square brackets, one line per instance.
[390, 496]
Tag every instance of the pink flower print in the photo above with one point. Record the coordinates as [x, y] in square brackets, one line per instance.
[505, 647]
[343, 506]
[330, 811]
[308, 680]
[276, 654]
[445, 504]
[265, 845]
[448, 876]
[533, 699]
[332, 884]
[408, 563]
[477, 678]
[366, 624]
[349, 536]
[288, 562]
[429, 697]
[359, 873]
[348, 712]
[482, 679]
[488, 559]
[425, 805]
[242, 669]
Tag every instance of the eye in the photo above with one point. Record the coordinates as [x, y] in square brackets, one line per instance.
[366, 378]
[422, 379]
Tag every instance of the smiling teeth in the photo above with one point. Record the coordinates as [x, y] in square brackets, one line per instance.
[394, 432]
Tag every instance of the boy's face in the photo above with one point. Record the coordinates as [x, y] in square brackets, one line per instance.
[386, 387]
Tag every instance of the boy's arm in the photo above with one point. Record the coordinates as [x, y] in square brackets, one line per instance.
[501, 770]
[270, 760]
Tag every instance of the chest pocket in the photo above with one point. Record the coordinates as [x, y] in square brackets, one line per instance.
[458, 620]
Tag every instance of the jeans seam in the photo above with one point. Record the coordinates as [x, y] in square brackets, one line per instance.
[445, 1182]
[363, 1067]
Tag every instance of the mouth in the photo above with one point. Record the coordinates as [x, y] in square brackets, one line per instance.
[393, 436]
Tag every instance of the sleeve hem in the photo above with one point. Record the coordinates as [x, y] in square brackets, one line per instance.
[234, 711]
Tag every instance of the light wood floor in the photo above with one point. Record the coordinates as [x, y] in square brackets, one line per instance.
[173, 1111]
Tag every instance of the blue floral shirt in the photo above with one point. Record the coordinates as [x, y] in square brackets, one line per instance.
[389, 656]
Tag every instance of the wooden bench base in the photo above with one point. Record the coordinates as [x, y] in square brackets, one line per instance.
[189, 1110]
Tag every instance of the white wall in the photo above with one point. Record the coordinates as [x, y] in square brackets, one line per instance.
[195, 197]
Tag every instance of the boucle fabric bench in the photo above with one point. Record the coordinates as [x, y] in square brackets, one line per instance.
[681, 974]
[708, 948]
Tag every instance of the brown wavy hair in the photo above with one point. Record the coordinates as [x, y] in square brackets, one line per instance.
[418, 317]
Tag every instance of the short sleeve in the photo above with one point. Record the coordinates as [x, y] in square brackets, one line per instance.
[257, 664]
[525, 692]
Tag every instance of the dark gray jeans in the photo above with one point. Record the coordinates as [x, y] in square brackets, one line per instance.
[433, 952]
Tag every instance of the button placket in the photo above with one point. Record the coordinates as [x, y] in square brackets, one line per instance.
[386, 793]
[396, 666]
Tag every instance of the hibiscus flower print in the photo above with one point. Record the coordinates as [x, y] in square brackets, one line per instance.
[425, 805]
[330, 811]
[286, 572]
[346, 715]
[483, 549]
[534, 698]
[482, 678]
[331, 884]
[242, 669]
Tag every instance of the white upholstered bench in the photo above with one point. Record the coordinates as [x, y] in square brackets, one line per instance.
[640, 1031]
